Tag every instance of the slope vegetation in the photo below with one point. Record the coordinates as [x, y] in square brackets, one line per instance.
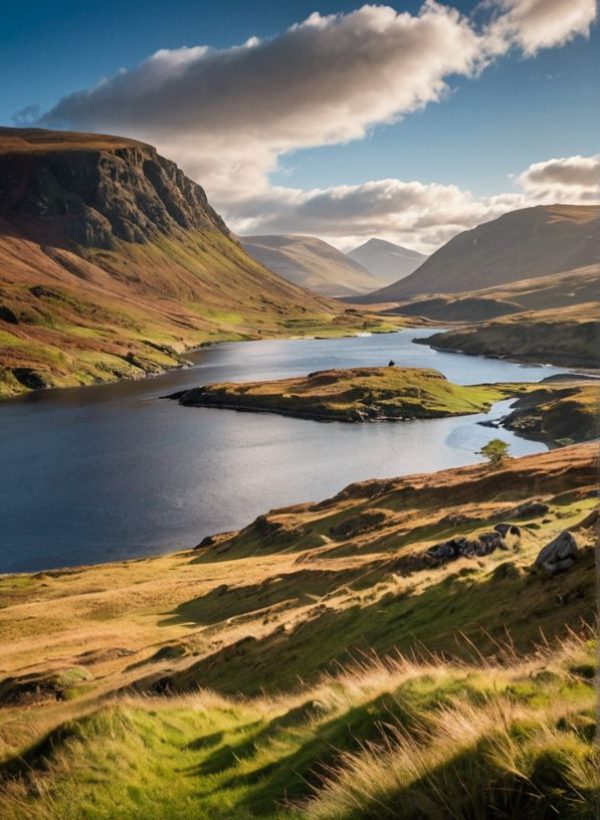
[112, 263]
[391, 652]
[311, 263]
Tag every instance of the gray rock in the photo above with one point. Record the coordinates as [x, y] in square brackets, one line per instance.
[559, 555]
[531, 509]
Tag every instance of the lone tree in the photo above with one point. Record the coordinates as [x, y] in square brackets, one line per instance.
[495, 451]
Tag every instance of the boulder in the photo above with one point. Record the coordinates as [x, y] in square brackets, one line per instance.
[559, 555]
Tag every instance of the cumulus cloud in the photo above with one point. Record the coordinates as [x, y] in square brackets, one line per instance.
[536, 24]
[571, 179]
[228, 115]
[419, 215]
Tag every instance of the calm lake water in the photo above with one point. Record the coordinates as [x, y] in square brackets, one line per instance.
[111, 471]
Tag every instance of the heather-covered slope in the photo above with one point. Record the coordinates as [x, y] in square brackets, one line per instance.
[523, 244]
[311, 263]
[112, 263]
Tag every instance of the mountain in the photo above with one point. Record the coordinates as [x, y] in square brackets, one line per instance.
[524, 244]
[311, 263]
[113, 263]
[387, 261]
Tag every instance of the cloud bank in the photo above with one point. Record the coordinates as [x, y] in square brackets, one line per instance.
[228, 115]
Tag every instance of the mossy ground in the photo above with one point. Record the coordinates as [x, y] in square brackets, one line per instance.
[305, 670]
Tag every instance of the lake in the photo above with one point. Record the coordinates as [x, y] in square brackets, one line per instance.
[112, 471]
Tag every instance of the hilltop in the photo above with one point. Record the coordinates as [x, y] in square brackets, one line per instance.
[521, 245]
[395, 647]
[113, 263]
[311, 263]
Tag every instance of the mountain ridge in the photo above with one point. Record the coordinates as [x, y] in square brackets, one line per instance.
[310, 262]
[522, 244]
[387, 261]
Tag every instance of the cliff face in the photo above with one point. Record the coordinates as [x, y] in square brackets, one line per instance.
[129, 193]
[112, 263]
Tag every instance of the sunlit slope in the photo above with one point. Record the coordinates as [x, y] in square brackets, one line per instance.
[472, 673]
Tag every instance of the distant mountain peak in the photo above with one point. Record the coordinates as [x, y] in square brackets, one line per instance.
[386, 260]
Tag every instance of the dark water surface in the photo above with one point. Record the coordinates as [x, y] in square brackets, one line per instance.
[109, 472]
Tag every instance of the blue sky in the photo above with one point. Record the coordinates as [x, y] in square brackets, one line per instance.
[520, 110]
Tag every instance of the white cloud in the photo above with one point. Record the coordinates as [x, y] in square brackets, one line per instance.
[536, 24]
[419, 215]
[570, 179]
[228, 115]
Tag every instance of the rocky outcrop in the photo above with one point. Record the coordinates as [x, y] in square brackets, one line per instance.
[559, 555]
[127, 193]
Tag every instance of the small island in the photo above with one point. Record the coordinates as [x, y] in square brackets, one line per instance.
[354, 395]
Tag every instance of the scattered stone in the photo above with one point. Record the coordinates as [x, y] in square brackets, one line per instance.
[7, 315]
[506, 570]
[484, 544]
[559, 555]
[508, 529]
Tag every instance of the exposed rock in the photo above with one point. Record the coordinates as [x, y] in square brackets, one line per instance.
[506, 570]
[30, 378]
[531, 509]
[559, 555]
[129, 193]
[508, 529]
[7, 315]
[484, 544]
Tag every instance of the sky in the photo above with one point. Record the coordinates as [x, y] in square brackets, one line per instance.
[409, 121]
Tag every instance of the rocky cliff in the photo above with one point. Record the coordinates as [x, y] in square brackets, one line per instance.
[113, 263]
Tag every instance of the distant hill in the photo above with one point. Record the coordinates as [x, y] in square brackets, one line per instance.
[523, 244]
[386, 261]
[558, 290]
[113, 263]
[311, 263]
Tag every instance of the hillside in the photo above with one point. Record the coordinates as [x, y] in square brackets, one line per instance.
[567, 337]
[354, 395]
[387, 261]
[311, 263]
[396, 651]
[523, 244]
[565, 289]
[113, 263]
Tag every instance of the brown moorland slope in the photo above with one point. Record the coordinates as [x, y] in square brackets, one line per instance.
[564, 289]
[522, 244]
[568, 337]
[112, 263]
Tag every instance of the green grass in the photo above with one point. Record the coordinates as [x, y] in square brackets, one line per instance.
[361, 394]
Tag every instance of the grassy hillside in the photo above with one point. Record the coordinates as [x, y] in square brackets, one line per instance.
[311, 263]
[558, 412]
[330, 660]
[354, 395]
[113, 263]
[523, 244]
[567, 337]
[574, 287]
